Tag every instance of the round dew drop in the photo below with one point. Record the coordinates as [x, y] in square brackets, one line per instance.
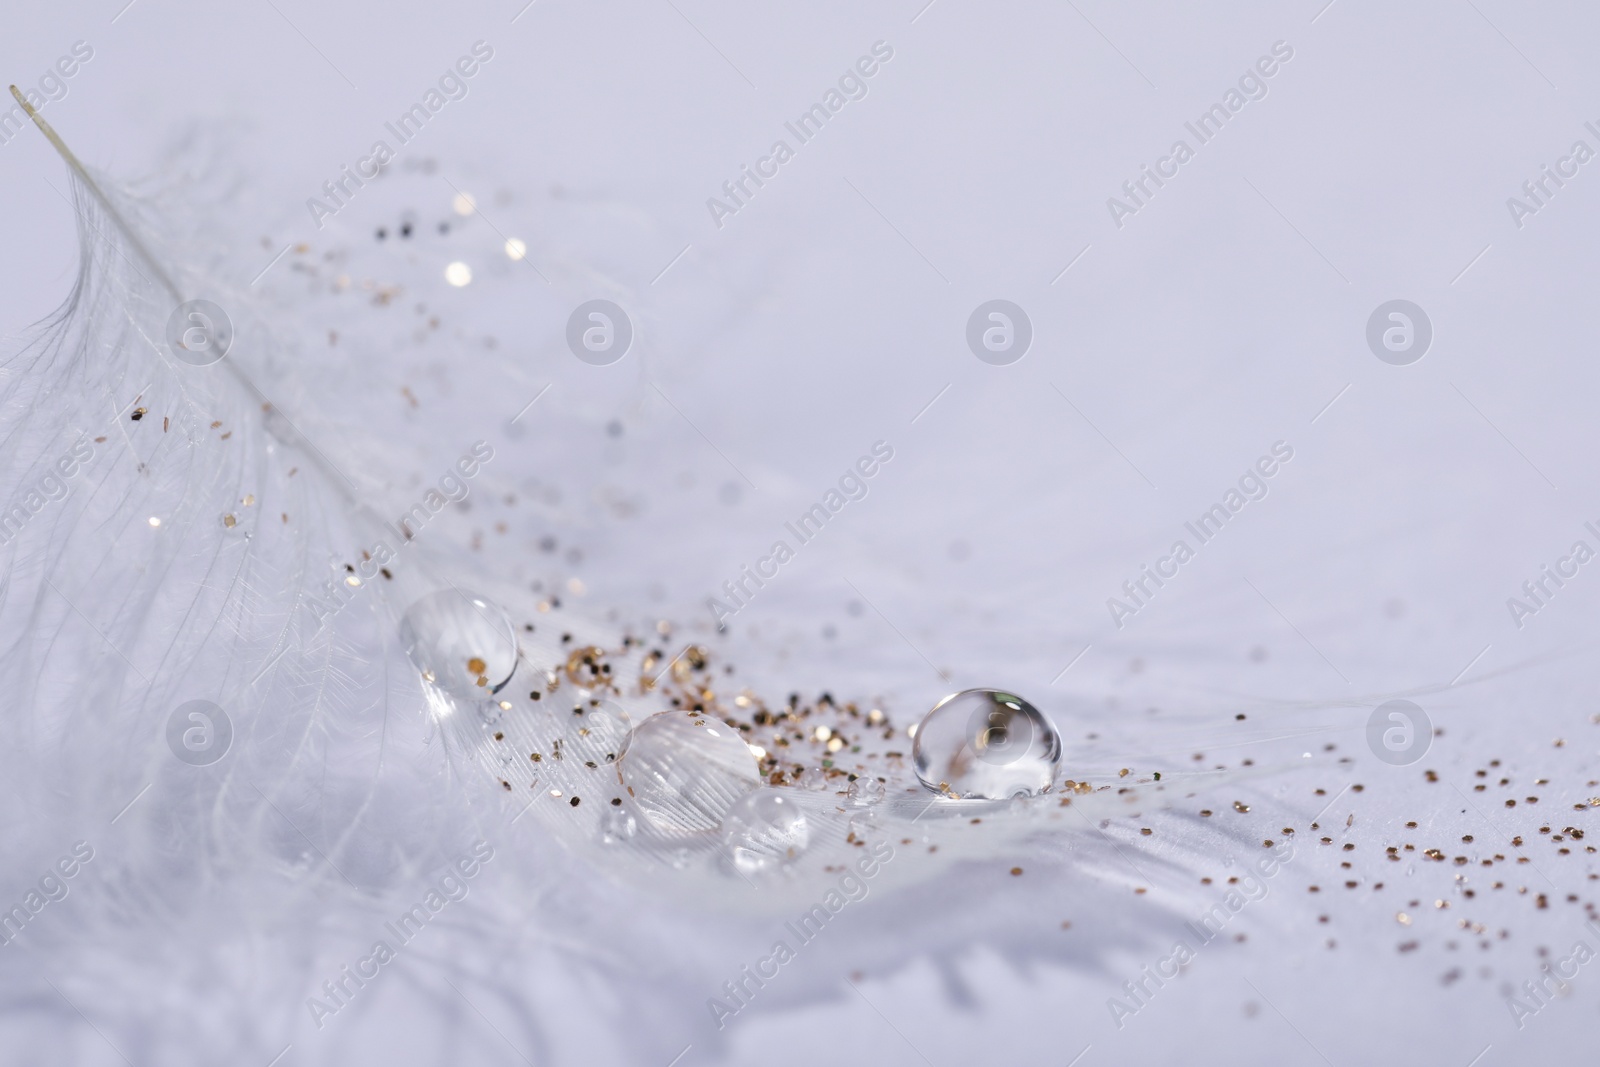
[617, 825]
[600, 734]
[684, 770]
[865, 790]
[986, 744]
[764, 830]
[463, 643]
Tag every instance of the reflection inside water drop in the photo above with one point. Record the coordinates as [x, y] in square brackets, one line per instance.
[986, 744]
[764, 830]
[462, 642]
[684, 770]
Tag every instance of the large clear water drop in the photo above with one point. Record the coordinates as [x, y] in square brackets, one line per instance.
[462, 642]
[986, 744]
[764, 830]
[685, 770]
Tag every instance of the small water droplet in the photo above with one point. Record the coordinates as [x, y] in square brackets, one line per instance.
[865, 790]
[860, 826]
[764, 830]
[600, 735]
[465, 642]
[986, 744]
[814, 779]
[684, 777]
[617, 824]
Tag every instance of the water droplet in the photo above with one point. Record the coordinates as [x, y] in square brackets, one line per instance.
[813, 778]
[684, 770]
[764, 830]
[865, 790]
[463, 643]
[617, 824]
[600, 734]
[861, 826]
[986, 744]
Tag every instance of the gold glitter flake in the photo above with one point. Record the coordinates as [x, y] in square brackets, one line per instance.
[586, 667]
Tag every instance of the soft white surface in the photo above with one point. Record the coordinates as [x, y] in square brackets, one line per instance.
[1195, 336]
